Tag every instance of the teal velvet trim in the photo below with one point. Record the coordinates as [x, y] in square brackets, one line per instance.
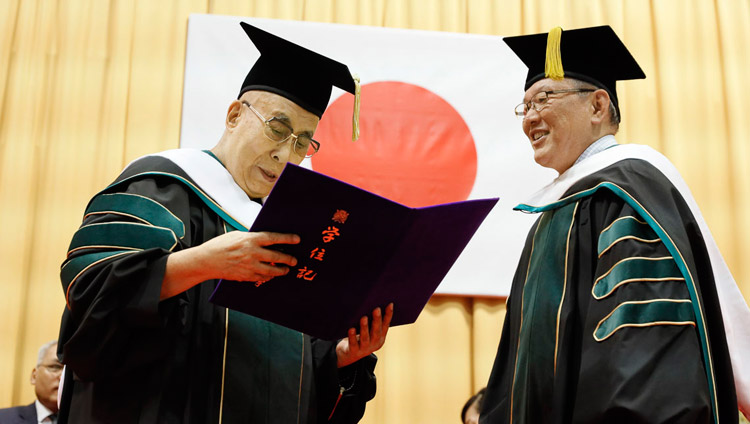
[72, 268]
[624, 228]
[143, 208]
[264, 371]
[543, 294]
[645, 314]
[636, 269]
[205, 198]
[122, 235]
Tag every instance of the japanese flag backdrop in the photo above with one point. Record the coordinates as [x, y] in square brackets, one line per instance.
[437, 123]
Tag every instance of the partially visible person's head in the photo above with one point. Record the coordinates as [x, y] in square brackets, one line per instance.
[45, 377]
[277, 110]
[472, 407]
[570, 97]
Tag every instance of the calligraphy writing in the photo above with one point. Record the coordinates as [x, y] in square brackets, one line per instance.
[317, 254]
[330, 233]
[340, 216]
[307, 274]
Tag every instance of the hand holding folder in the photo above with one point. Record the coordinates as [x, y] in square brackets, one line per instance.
[358, 251]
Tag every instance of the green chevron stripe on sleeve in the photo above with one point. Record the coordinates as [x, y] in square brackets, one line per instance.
[203, 196]
[75, 266]
[627, 227]
[636, 269]
[645, 314]
[122, 235]
[140, 207]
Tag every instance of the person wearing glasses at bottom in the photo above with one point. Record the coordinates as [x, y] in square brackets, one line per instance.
[139, 336]
[45, 378]
[622, 309]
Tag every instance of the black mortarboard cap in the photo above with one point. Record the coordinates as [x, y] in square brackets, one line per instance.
[292, 71]
[595, 55]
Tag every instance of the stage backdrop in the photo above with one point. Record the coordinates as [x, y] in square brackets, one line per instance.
[435, 126]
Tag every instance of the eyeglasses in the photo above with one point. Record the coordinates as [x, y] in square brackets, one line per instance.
[279, 131]
[539, 100]
[52, 368]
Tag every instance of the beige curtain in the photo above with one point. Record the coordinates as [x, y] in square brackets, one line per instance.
[88, 85]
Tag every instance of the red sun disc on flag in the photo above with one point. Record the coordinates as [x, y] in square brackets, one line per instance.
[414, 147]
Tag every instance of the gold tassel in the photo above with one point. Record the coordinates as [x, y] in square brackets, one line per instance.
[355, 116]
[553, 64]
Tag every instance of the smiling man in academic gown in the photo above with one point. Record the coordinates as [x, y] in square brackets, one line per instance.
[622, 309]
[139, 338]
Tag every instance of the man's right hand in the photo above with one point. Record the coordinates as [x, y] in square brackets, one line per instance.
[243, 256]
[236, 255]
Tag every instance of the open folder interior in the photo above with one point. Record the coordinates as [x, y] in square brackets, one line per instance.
[358, 251]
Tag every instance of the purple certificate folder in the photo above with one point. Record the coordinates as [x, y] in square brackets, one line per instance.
[358, 251]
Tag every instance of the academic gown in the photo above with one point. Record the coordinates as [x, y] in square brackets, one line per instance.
[182, 360]
[613, 314]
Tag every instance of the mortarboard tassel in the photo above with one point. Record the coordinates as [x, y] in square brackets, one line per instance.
[355, 116]
[553, 64]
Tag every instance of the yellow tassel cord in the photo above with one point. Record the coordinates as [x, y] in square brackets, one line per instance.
[553, 64]
[355, 116]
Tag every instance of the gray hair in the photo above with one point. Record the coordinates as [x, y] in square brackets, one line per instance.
[43, 351]
[614, 118]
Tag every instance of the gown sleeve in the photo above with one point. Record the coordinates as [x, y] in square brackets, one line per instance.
[112, 276]
[640, 355]
[342, 393]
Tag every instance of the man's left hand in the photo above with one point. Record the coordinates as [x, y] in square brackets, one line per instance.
[371, 338]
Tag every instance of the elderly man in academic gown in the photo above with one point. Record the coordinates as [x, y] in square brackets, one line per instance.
[622, 309]
[139, 338]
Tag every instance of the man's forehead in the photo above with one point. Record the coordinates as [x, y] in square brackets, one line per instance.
[548, 84]
[273, 105]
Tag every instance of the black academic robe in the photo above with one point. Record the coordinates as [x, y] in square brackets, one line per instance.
[613, 314]
[181, 360]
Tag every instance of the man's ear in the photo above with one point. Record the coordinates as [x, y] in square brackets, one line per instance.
[233, 114]
[33, 377]
[600, 106]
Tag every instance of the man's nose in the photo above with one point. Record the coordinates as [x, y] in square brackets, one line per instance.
[531, 115]
[283, 151]
[529, 119]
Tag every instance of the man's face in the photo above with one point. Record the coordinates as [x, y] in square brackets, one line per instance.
[46, 378]
[254, 160]
[561, 131]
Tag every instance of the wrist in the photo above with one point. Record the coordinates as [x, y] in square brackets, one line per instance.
[185, 269]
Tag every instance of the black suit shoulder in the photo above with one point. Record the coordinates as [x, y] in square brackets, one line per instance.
[18, 415]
